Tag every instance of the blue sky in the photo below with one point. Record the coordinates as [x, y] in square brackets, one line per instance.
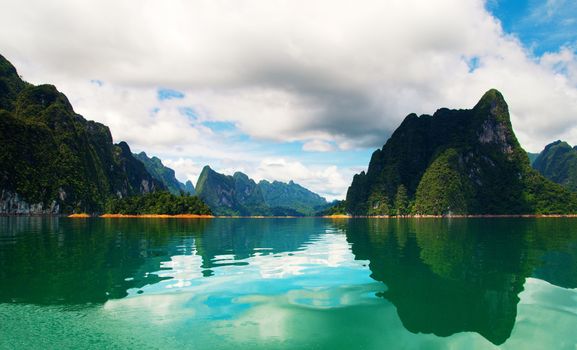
[542, 26]
[301, 90]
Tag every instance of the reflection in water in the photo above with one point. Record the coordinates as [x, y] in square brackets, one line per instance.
[293, 283]
[450, 276]
[52, 261]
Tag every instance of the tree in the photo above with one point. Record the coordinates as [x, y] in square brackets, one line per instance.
[402, 201]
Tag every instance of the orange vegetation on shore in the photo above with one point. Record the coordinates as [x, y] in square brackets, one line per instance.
[337, 216]
[158, 216]
[81, 215]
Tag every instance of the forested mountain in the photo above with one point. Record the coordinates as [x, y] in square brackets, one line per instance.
[558, 163]
[456, 162]
[52, 160]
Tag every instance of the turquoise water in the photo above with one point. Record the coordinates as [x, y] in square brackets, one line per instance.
[288, 283]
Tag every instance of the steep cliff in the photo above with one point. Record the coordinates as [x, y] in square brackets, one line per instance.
[52, 160]
[456, 162]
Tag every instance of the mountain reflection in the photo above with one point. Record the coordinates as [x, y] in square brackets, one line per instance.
[63, 261]
[443, 276]
[450, 276]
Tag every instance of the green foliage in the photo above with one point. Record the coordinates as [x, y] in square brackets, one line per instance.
[378, 202]
[532, 157]
[558, 163]
[457, 161]
[49, 154]
[159, 202]
[402, 201]
[443, 189]
[337, 208]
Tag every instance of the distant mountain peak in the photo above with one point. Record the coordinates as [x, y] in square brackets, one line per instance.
[164, 174]
[240, 195]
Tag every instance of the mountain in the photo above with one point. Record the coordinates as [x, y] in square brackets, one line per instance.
[52, 160]
[291, 195]
[230, 195]
[532, 157]
[456, 162]
[240, 195]
[164, 174]
[558, 163]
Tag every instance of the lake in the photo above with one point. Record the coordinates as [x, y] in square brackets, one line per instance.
[288, 283]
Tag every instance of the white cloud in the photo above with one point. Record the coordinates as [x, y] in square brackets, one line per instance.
[185, 169]
[322, 72]
[329, 181]
[317, 146]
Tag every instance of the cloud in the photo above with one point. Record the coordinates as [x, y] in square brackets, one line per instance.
[326, 181]
[330, 74]
[317, 146]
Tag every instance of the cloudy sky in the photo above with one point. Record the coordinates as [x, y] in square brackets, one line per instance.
[299, 90]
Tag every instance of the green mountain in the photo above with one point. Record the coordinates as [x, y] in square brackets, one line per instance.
[52, 160]
[456, 162]
[558, 163]
[291, 196]
[164, 174]
[532, 157]
[230, 195]
[240, 195]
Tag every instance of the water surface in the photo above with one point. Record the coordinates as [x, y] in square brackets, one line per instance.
[288, 283]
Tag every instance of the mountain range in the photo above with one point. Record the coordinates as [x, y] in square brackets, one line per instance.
[456, 162]
[54, 161]
[240, 195]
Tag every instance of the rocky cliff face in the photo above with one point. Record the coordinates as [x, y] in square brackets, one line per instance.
[12, 203]
[52, 160]
[456, 162]
[229, 195]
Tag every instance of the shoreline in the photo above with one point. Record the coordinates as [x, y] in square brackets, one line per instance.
[339, 216]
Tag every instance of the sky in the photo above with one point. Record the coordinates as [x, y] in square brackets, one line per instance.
[301, 90]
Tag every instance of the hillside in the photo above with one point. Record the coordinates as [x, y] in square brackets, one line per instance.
[558, 163]
[456, 162]
[52, 160]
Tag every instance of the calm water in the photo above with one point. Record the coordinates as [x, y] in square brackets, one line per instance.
[288, 283]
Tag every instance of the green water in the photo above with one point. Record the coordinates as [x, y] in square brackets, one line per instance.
[288, 283]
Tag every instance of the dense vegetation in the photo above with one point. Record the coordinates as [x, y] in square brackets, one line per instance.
[558, 163]
[456, 162]
[159, 202]
[53, 160]
[335, 208]
[240, 195]
[532, 157]
[164, 174]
